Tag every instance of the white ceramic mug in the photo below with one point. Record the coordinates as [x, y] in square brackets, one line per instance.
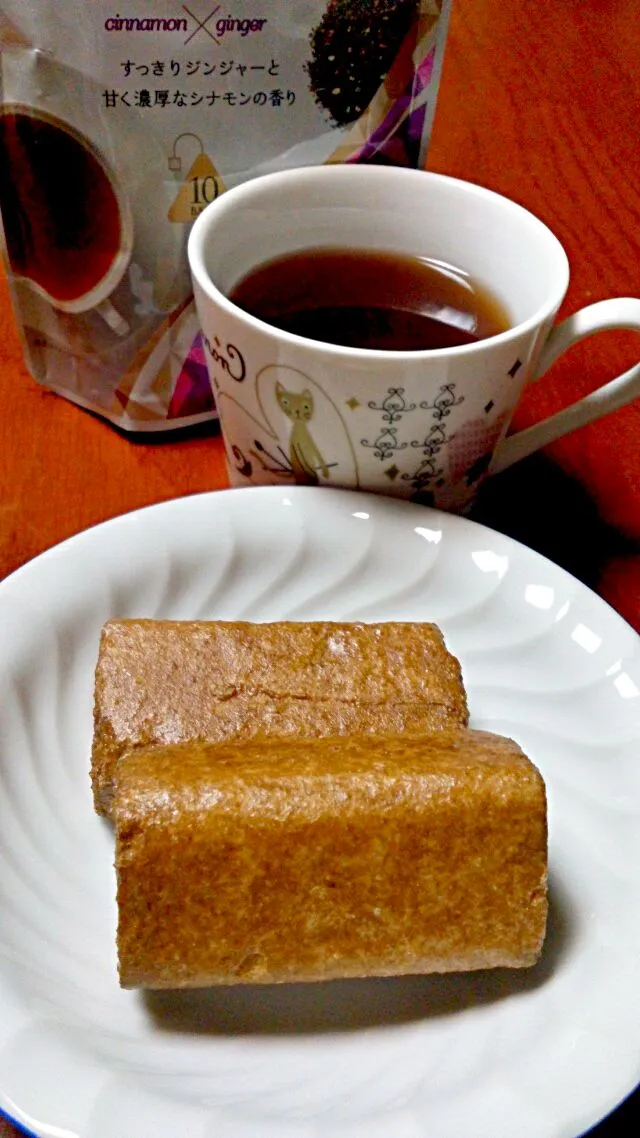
[427, 425]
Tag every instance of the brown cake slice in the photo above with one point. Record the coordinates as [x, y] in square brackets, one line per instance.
[298, 860]
[176, 682]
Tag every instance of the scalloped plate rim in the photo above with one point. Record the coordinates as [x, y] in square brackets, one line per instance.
[441, 517]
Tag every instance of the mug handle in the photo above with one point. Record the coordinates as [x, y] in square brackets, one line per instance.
[619, 312]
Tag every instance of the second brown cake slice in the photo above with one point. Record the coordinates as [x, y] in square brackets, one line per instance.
[293, 860]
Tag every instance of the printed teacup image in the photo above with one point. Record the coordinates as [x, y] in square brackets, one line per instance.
[68, 224]
[95, 263]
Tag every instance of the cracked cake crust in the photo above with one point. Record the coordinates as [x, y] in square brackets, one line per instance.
[171, 682]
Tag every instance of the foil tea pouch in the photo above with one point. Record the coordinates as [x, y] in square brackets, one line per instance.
[120, 122]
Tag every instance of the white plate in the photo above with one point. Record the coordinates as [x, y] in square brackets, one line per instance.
[539, 1054]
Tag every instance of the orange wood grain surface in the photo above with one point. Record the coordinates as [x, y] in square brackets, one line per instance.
[540, 101]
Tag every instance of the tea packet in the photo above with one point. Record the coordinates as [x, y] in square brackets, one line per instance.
[120, 120]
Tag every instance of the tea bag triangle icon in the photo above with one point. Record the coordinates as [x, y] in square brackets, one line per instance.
[201, 186]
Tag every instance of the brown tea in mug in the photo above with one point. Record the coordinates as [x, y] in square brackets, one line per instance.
[366, 298]
[61, 217]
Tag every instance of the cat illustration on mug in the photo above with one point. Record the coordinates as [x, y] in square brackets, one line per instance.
[304, 455]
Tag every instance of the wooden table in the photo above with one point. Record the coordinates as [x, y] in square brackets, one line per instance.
[538, 101]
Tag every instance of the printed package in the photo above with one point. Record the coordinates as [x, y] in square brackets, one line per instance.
[120, 120]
